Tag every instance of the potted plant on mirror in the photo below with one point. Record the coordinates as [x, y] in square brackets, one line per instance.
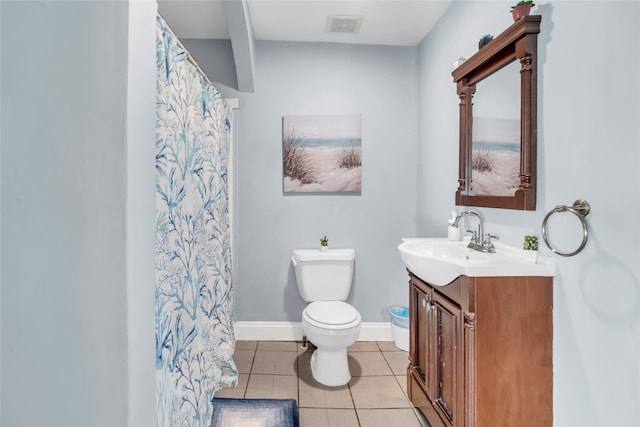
[521, 9]
[324, 243]
[459, 61]
[484, 40]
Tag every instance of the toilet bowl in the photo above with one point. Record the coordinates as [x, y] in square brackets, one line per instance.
[324, 281]
[331, 326]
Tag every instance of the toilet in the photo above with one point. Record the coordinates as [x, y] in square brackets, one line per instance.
[324, 281]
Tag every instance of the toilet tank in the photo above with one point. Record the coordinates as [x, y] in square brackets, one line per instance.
[324, 275]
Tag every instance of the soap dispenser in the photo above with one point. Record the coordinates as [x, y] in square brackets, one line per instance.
[453, 232]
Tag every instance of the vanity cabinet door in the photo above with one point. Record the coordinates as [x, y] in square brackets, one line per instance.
[421, 351]
[447, 359]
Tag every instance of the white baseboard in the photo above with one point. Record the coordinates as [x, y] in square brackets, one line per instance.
[292, 331]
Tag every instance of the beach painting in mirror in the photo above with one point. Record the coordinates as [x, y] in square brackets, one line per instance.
[495, 160]
[322, 153]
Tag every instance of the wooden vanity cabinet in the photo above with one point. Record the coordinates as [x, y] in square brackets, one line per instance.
[481, 351]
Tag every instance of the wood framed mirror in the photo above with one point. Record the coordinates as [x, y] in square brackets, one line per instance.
[498, 141]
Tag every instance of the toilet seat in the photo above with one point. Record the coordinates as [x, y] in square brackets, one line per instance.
[331, 315]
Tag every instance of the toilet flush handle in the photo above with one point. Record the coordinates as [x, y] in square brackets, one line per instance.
[293, 261]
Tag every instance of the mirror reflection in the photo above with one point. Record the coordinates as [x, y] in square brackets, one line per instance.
[495, 158]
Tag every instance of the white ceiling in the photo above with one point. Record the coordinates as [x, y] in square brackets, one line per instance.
[385, 22]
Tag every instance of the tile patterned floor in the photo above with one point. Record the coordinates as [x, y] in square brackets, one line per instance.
[375, 396]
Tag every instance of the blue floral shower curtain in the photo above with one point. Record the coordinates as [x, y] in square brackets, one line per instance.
[194, 298]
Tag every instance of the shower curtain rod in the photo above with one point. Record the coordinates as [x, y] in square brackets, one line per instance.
[189, 57]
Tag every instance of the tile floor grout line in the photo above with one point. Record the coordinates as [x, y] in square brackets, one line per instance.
[298, 377]
[388, 364]
[253, 360]
[355, 410]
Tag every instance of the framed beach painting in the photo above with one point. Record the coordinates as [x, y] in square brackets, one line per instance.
[322, 153]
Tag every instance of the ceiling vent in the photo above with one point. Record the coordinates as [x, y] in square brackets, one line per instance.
[349, 24]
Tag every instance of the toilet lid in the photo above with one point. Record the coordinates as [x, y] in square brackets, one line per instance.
[331, 312]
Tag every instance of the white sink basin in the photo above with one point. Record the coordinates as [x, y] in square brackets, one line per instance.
[440, 261]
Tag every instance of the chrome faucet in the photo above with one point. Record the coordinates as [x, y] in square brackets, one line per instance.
[479, 241]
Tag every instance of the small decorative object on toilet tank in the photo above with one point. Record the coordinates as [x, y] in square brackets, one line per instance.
[324, 243]
[453, 232]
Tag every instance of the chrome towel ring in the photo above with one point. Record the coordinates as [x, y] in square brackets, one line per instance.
[580, 209]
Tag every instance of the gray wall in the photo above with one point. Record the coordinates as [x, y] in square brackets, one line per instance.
[588, 135]
[141, 213]
[305, 78]
[68, 264]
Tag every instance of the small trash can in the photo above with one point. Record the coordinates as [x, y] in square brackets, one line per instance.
[400, 327]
